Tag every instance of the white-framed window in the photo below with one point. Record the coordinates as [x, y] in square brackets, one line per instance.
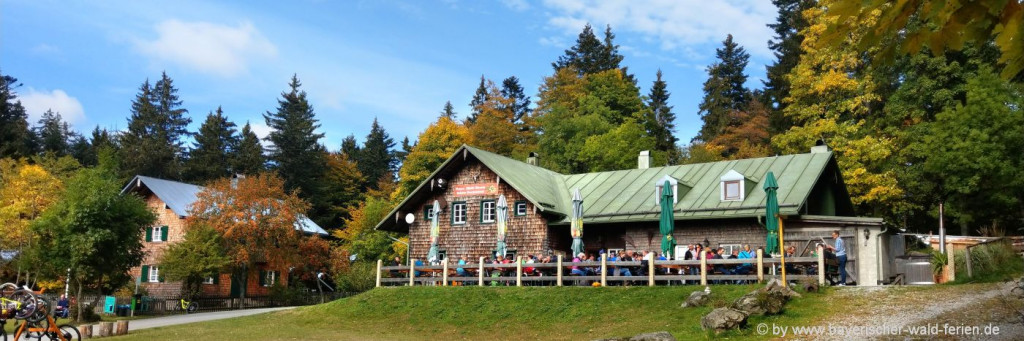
[428, 212]
[520, 208]
[270, 279]
[487, 211]
[158, 233]
[733, 186]
[459, 213]
[732, 190]
[729, 248]
[154, 273]
[208, 280]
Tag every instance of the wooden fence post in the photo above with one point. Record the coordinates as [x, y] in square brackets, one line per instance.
[650, 272]
[970, 267]
[121, 327]
[760, 266]
[703, 270]
[480, 273]
[559, 270]
[519, 271]
[444, 273]
[106, 329]
[86, 331]
[604, 270]
[950, 262]
[379, 263]
[412, 272]
[821, 265]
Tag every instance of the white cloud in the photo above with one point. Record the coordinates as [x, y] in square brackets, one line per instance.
[207, 47]
[37, 102]
[516, 5]
[261, 130]
[675, 24]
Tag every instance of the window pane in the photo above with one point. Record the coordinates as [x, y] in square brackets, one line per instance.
[732, 190]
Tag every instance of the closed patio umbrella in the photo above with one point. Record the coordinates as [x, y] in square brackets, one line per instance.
[771, 208]
[576, 229]
[667, 223]
[435, 231]
[501, 212]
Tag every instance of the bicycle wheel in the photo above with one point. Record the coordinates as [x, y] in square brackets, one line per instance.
[192, 307]
[7, 289]
[67, 333]
[26, 303]
[42, 310]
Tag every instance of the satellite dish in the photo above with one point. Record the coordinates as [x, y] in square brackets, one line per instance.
[409, 218]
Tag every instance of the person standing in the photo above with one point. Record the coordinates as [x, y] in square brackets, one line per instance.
[840, 251]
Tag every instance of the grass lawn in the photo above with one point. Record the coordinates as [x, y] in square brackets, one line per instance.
[566, 313]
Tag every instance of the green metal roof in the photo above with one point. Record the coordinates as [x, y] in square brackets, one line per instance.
[629, 195]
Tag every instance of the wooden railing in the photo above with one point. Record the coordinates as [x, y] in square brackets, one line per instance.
[560, 272]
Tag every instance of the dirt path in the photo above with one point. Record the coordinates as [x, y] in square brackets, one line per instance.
[971, 311]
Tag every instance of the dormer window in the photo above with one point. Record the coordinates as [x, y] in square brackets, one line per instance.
[658, 185]
[734, 186]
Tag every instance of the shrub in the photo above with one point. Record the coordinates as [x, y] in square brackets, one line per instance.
[990, 262]
[357, 278]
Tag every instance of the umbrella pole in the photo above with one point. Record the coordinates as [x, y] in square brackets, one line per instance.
[782, 247]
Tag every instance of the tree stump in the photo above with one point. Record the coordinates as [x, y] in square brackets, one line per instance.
[86, 330]
[121, 328]
[105, 329]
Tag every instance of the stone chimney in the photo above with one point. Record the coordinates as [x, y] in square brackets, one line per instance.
[533, 159]
[644, 160]
[820, 147]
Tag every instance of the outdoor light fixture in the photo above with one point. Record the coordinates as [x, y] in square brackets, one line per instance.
[706, 243]
[867, 234]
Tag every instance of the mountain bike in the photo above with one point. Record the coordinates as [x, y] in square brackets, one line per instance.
[189, 306]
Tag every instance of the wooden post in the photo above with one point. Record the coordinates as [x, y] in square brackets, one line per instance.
[782, 246]
[559, 270]
[760, 266]
[604, 270]
[412, 273]
[121, 328]
[704, 269]
[480, 273]
[379, 263]
[86, 330]
[519, 271]
[821, 265]
[444, 274]
[970, 267]
[950, 263]
[650, 272]
[105, 329]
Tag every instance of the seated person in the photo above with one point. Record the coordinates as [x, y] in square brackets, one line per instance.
[461, 272]
[62, 307]
[575, 270]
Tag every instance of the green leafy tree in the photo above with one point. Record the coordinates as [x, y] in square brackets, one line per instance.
[724, 90]
[215, 143]
[200, 256]
[786, 46]
[248, 158]
[359, 236]
[377, 157]
[494, 129]
[94, 231]
[16, 140]
[345, 184]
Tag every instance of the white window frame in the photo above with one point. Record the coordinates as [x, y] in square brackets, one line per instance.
[521, 204]
[738, 185]
[208, 280]
[154, 274]
[271, 278]
[158, 234]
[488, 211]
[729, 248]
[459, 213]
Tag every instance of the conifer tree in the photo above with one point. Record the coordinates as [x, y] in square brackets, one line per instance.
[377, 158]
[520, 106]
[448, 111]
[786, 44]
[724, 90]
[54, 134]
[350, 147]
[153, 144]
[662, 125]
[479, 97]
[15, 136]
[248, 159]
[215, 144]
[591, 55]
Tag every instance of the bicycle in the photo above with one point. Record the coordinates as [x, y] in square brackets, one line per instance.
[189, 306]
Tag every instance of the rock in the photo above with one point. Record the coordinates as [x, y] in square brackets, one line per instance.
[761, 302]
[697, 299]
[776, 286]
[657, 336]
[810, 287]
[722, 319]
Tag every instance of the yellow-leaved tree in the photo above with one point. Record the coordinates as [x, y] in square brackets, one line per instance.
[435, 145]
[26, 191]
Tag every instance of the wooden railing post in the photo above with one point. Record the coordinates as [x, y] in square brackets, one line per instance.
[704, 270]
[821, 265]
[519, 271]
[480, 273]
[604, 271]
[379, 263]
[444, 273]
[970, 267]
[760, 266]
[559, 270]
[412, 272]
[950, 262]
[650, 272]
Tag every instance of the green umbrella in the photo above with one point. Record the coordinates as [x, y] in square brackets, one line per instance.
[771, 208]
[668, 244]
[501, 210]
[576, 227]
[435, 232]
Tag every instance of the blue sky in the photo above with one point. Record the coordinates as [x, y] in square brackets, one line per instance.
[398, 61]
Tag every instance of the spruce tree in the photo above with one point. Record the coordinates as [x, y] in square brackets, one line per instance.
[53, 134]
[80, 149]
[296, 154]
[786, 44]
[215, 144]
[15, 136]
[591, 55]
[448, 111]
[662, 125]
[248, 158]
[520, 106]
[479, 98]
[174, 121]
[724, 91]
[377, 157]
[153, 143]
[350, 147]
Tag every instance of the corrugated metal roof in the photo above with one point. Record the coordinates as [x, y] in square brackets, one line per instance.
[178, 196]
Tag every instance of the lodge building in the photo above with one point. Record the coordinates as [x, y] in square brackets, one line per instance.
[721, 204]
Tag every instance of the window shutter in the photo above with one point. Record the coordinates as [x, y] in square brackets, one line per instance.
[145, 273]
[160, 274]
[216, 279]
[164, 230]
[149, 234]
[263, 278]
[277, 277]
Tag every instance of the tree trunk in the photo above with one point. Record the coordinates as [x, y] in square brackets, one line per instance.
[78, 297]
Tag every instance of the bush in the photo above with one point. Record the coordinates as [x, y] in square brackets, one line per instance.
[88, 313]
[359, 277]
[990, 262]
[288, 295]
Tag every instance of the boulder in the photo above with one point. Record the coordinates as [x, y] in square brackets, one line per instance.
[657, 336]
[761, 302]
[775, 285]
[722, 319]
[697, 299]
[810, 287]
